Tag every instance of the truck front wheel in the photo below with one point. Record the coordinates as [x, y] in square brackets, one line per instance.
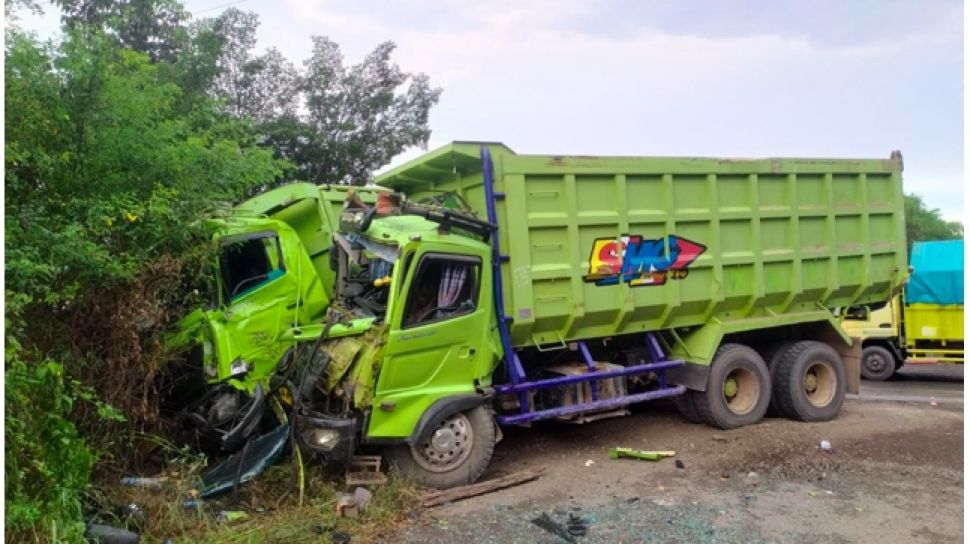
[455, 453]
[810, 382]
[877, 363]
[738, 388]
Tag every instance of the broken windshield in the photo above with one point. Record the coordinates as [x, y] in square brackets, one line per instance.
[364, 270]
[249, 263]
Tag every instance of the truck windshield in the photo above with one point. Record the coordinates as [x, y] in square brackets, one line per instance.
[249, 263]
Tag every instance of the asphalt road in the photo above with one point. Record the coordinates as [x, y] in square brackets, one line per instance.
[918, 383]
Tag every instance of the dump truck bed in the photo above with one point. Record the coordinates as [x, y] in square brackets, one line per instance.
[603, 246]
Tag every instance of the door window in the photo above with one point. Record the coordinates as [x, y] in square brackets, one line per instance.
[249, 263]
[442, 288]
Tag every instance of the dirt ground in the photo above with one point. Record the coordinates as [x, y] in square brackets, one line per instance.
[895, 474]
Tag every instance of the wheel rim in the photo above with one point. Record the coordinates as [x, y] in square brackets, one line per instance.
[741, 390]
[447, 447]
[820, 384]
[875, 364]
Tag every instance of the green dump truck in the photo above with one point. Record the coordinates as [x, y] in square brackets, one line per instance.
[492, 288]
[926, 322]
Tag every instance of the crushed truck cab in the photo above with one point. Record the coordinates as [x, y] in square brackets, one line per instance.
[485, 288]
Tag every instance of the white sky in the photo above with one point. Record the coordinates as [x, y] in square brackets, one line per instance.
[718, 78]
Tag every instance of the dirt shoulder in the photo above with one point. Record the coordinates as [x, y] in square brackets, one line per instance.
[895, 475]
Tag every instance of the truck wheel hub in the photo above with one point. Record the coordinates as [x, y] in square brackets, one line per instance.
[447, 447]
[874, 363]
[811, 382]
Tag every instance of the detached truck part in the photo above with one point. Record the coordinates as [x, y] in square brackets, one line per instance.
[506, 289]
[925, 323]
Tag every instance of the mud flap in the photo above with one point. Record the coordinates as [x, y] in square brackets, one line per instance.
[245, 464]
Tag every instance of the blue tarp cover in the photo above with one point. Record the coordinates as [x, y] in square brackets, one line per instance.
[937, 276]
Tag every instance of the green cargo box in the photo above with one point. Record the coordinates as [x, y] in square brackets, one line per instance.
[603, 246]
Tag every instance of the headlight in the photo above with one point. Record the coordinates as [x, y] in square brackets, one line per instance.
[325, 439]
[238, 367]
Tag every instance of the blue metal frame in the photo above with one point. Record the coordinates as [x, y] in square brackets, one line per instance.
[520, 386]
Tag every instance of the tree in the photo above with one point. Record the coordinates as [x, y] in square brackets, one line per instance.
[154, 27]
[923, 223]
[335, 123]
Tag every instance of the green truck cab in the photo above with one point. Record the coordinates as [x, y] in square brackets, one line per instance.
[493, 289]
[924, 322]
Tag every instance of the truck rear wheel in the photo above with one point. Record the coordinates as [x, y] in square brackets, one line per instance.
[738, 388]
[809, 382]
[771, 355]
[455, 453]
[878, 364]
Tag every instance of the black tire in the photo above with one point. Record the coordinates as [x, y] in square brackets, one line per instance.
[433, 465]
[738, 388]
[686, 407]
[771, 355]
[809, 382]
[878, 363]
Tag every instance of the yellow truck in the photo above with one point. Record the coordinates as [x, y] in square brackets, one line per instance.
[924, 323]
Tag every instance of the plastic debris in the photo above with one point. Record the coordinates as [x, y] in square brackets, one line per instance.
[826, 446]
[229, 516]
[339, 537]
[138, 481]
[245, 464]
[362, 497]
[109, 534]
[577, 526]
[590, 462]
[933, 401]
[616, 453]
[551, 526]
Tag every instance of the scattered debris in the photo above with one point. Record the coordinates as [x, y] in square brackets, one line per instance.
[813, 493]
[434, 498]
[679, 464]
[110, 535]
[551, 526]
[589, 463]
[365, 470]
[229, 516]
[719, 438]
[577, 526]
[245, 464]
[826, 446]
[350, 505]
[138, 481]
[661, 488]
[933, 401]
[339, 537]
[616, 453]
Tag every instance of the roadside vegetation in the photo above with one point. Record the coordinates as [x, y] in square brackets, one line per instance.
[121, 134]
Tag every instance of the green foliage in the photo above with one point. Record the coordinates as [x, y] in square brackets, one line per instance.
[119, 139]
[923, 223]
[106, 178]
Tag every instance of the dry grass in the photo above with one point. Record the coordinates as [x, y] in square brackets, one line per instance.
[271, 503]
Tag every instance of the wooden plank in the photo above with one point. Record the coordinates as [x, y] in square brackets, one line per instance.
[434, 498]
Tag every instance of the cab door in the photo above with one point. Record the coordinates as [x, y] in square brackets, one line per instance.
[438, 343]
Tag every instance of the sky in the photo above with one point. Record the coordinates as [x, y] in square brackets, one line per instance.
[699, 78]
